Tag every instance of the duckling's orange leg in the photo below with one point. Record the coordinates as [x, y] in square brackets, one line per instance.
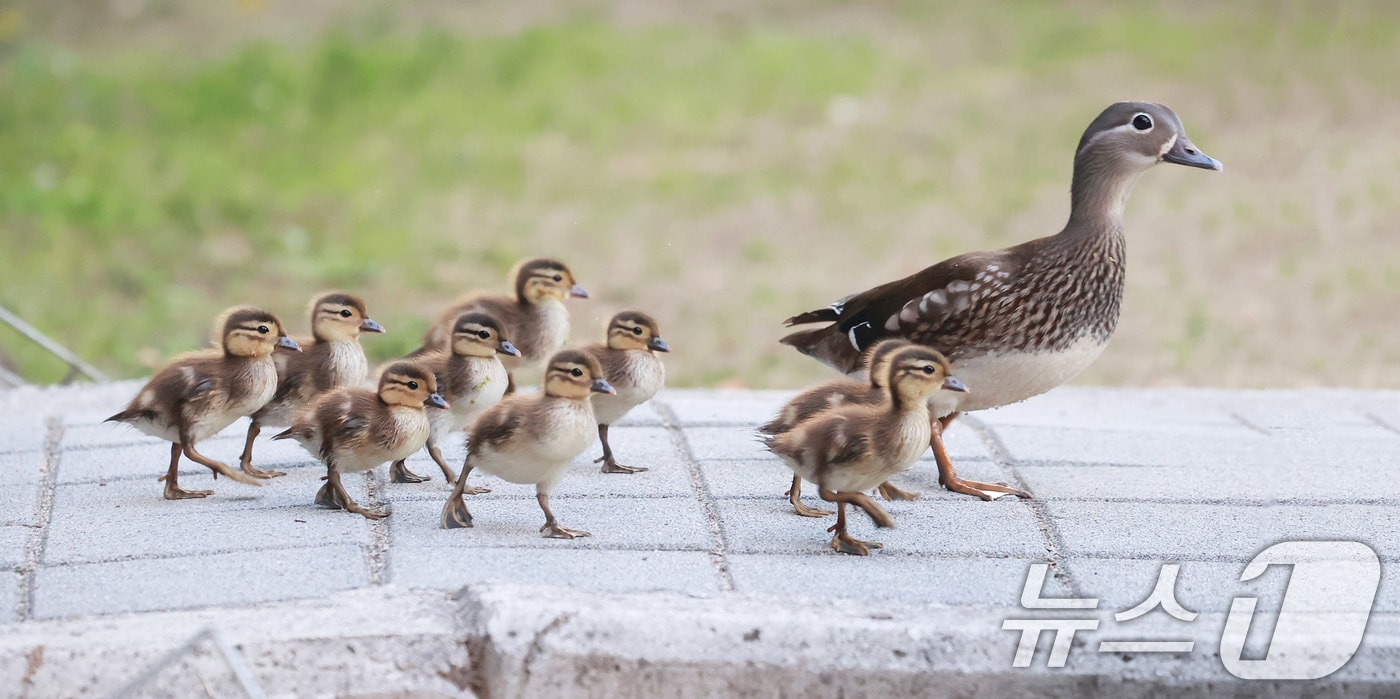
[948, 476]
[436, 453]
[610, 465]
[332, 495]
[219, 469]
[551, 528]
[794, 495]
[399, 473]
[173, 491]
[889, 492]
[455, 514]
[462, 482]
[842, 542]
[245, 462]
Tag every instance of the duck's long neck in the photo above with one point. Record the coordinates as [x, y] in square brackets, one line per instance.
[1098, 193]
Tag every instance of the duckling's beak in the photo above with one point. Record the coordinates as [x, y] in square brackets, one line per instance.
[435, 401]
[659, 345]
[602, 386]
[369, 326]
[953, 384]
[508, 348]
[288, 343]
[1184, 152]
[578, 292]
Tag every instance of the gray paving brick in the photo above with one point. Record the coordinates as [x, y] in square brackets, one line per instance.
[732, 442]
[9, 596]
[644, 415]
[13, 539]
[19, 504]
[616, 523]
[22, 430]
[21, 468]
[1232, 481]
[955, 527]
[725, 407]
[905, 580]
[148, 458]
[1212, 532]
[205, 579]
[1113, 408]
[769, 477]
[129, 519]
[450, 568]
[1038, 445]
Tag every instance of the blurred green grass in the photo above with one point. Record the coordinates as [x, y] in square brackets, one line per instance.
[719, 174]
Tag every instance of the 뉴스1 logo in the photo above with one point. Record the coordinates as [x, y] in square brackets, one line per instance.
[1320, 623]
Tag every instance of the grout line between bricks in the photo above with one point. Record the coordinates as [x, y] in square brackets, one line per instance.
[38, 539]
[1384, 425]
[1250, 424]
[718, 556]
[1054, 542]
[377, 553]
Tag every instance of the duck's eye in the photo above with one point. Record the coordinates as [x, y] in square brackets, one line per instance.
[413, 385]
[344, 313]
[576, 372]
[636, 331]
[928, 369]
[264, 329]
[1142, 122]
[558, 277]
[483, 334]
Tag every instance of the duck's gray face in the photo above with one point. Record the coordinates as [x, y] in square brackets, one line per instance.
[1140, 135]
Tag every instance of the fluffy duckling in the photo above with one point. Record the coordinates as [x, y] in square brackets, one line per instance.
[353, 429]
[199, 394]
[630, 364]
[852, 448]
[535, 318]
[831, 395]
[333, 358]
[533, 438]
[471, 378]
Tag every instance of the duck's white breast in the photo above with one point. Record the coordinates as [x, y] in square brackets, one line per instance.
[1001, 379]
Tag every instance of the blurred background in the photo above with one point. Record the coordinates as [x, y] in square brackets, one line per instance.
[720, 164]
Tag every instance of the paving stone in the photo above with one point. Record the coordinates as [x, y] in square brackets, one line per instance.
[130, 519]
[19, 504]
[149, 458]
[1224, 482]
[9, 596]
[1002, 528]
[1042, 445]
[22, 430]
[616, 523]
[740, 408]
[644, 415]
[911, 580]
[450, 568]
[769, 477]
[1113, 409]
[13, 539]
[199, 580]
[21, 468]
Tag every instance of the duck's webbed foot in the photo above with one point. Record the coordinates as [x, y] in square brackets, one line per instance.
[399, 473]
[889, 492]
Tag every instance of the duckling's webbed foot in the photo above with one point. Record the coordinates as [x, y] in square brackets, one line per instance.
[399, 473]
[455, 514]
[333, 496]
[842, 542]
[889, 492]
[248, 468]
[245, 461]
[794, 495]
[610, 466]
[551, 528]
[173, 491]
[465, 489]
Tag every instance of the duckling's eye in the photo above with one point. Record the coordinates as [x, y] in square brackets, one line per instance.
[636, 331]
[1142, 122]
[576, 372]
[344, 313]
[263, 329]
[558, 277]
[483, 334]
[928, 369]
[413, 385]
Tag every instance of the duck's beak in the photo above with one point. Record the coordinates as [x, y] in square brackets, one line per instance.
[435, 401]
[578, 292]
[369, 326]
[602, 386]
[1184, 152]
[508, 348]
[288, 343]
[953, 384]
[659, 345]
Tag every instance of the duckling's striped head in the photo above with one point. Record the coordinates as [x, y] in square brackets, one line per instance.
[245, 331]
[411, 384]
[477, 334]
[337, 315]
[877, 360]
[916, 372]
[635, 330]
[543, 278]
[575, 374]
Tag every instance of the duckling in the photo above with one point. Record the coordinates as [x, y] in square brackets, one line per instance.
[1020, 321]
[830, 395]
[199, 394]
[630, 364]
[849, 449]
[533, 438]
[535, 318]
[331, 359]
[470, 377]
[353, 429]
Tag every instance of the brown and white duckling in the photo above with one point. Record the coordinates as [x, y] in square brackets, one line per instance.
[471, 378]
[353, 429]
[331, 359]
[630, 364]
[199, 394]
[831, 395]
[852, 448]
[533, 438]
[535, 318]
